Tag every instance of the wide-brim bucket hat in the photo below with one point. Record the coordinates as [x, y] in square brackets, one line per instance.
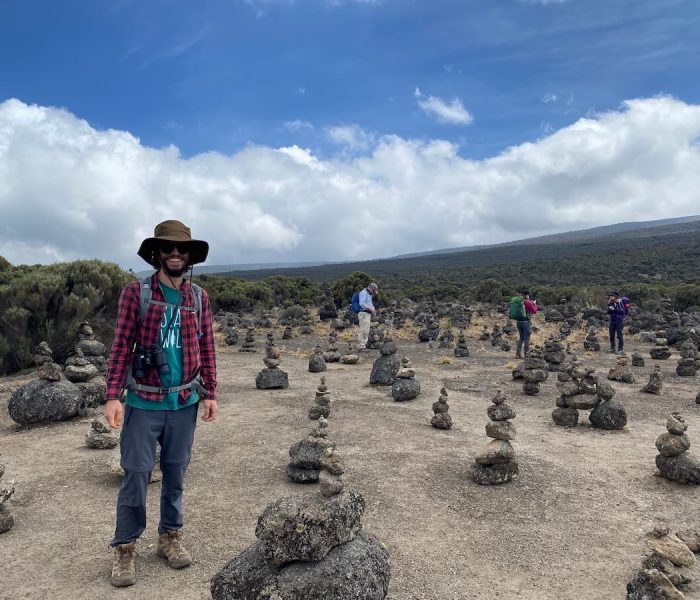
[173, 231]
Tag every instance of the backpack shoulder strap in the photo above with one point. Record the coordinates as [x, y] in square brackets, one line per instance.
[197, 294]
[145, 293]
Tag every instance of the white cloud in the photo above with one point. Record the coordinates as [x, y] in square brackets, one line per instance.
[352, 137]
[70, 191]
[298, 125]
[446, 112]
[549, 97]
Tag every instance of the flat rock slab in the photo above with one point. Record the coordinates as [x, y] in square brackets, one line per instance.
[272, 379]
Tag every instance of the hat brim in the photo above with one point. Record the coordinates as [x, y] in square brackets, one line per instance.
[199, 249]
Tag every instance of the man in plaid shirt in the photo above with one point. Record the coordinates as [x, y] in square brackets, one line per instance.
[165, 360]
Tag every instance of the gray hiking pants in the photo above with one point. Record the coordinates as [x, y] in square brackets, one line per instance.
[524, 331]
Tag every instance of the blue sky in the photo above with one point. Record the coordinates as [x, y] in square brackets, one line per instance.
[340, 81]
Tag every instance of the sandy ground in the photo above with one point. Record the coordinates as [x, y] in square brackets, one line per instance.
[571, 527]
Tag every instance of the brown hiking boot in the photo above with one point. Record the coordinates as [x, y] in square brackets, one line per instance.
[518, 355]
[123, 569]
[170, 547]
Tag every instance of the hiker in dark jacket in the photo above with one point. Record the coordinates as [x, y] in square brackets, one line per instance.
[522, 308]
[618, 308]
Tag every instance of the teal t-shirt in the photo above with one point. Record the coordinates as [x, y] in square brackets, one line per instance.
[172, 346]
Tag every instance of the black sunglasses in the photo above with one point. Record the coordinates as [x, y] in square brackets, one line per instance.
[168, 247]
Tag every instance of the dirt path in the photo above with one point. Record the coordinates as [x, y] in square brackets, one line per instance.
[572, 526]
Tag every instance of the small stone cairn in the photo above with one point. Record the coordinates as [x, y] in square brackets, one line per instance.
[621, 372]
[672, 461]
[249, 340]
[328, 311]
[351, 357]
[310, 547]
[688, 363]
[322, 402]
[316, 362]
[231, 335]
[101, 436]
[496, 335]
[534, 371]
[406, 387]
[446, 339]
[271, 377]
[637, 359]
[461, 349]
[655, 382]
[331, 355]
[496, 463]
[441, 418]
[91, 348]
[554, 354]
[306, 327]
[288, 333]
[666, 569]
[307, 454]
[431, 331]
[485, 334]
[387, 364]
[79, 369]
[375, 339]
[660, 351]
[591, 343]
[6, 518]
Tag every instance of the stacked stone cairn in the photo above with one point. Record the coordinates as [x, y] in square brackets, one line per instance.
[591, 343]
[666, 569]
[554, 354]
[441, 418]
[655, 382]
[637, 359]
[101, 436]
[271, 377]
[446, 339]
[306, 327]
[316, 362]
[6, 518]
[509, 328]
[78, 368]
[461, 349]
[249, 340]
[534, 371]
[307, 454]
[351, 357]
[375, 339]
[310, 548]
[331, 355]
[661, 350]
[621, 372]
[431, 331]
[322, 402]
[689, 362]
[406, 387]
[231, 335]
[672, 461]
[91, 348]
[288, 334]
[564, 330]
[328, 311]
[50, 397]
[387, 364]
[496, 335]
[496, 463]
[609, 414]
[485, 334]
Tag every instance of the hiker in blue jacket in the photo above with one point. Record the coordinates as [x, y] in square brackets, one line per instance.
[618, 309]
[366, 311]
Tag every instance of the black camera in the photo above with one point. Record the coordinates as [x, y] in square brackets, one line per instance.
[147, 358]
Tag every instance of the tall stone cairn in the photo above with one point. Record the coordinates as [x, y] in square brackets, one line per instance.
[688, 364]
[406, 387]
[655, 382]
[91, 348]
[441, 418]
[331, 355]
[461, 349]
[271, 377]
[387, 365]
[673, 461]
[554, 353]
[534, 371]
[328, 311]
[322, 402]
[591, 343]
[317, 364]
[6, 518]
[249, 341]
[496, 463]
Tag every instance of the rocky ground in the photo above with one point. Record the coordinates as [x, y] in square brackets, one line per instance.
[571, 527]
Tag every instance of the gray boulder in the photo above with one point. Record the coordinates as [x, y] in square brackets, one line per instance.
[683, 469]
[652, 584]
[494, 474]
[93, 392]
[609, 415]
[405, 389]
[272, 379]
[384, 369]
[317, 364]
[565, 417]
[40, 401]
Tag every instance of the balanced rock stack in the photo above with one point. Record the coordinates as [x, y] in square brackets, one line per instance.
[578, 386]
[351, 357]
[387, 365]
[331, 355]
[322, 402]
[660, 351]
[231, 335]
[672, 461]
[496, 463]
[591, 342]
[688, 363]
[288, 333]
[621, 372]
[249, 340]
[316, 362]
[485, 334]
[667, 568]
[496, 335]
[637, 359]
[328, 311]
[406, 387]
[78, 368]
[441, 418]
[307, 454]
[609, 414]
[655, 382]
[554, 354]
[101, 435]
[92, 348]
[431, 331]
[534, 371]
[306, 327]
[461, 349]
[309, 548]
[446, 339]
[375, 339]
[6, 518]
[271, 377]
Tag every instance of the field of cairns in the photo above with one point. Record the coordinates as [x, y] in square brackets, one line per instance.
[578, 508]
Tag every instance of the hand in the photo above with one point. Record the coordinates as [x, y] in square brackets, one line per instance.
[113, 412]
[211, 409]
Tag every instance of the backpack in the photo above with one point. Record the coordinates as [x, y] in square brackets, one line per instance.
[356, 302]
[517, 309]
[625, 305]
[145, 293]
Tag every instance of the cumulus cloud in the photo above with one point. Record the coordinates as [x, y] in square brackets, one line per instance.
[446, 112]
[352, 137]
[68, 190]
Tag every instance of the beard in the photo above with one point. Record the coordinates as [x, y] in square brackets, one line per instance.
[174, 272]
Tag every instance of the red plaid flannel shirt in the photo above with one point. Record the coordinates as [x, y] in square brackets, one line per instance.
[198, 356]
